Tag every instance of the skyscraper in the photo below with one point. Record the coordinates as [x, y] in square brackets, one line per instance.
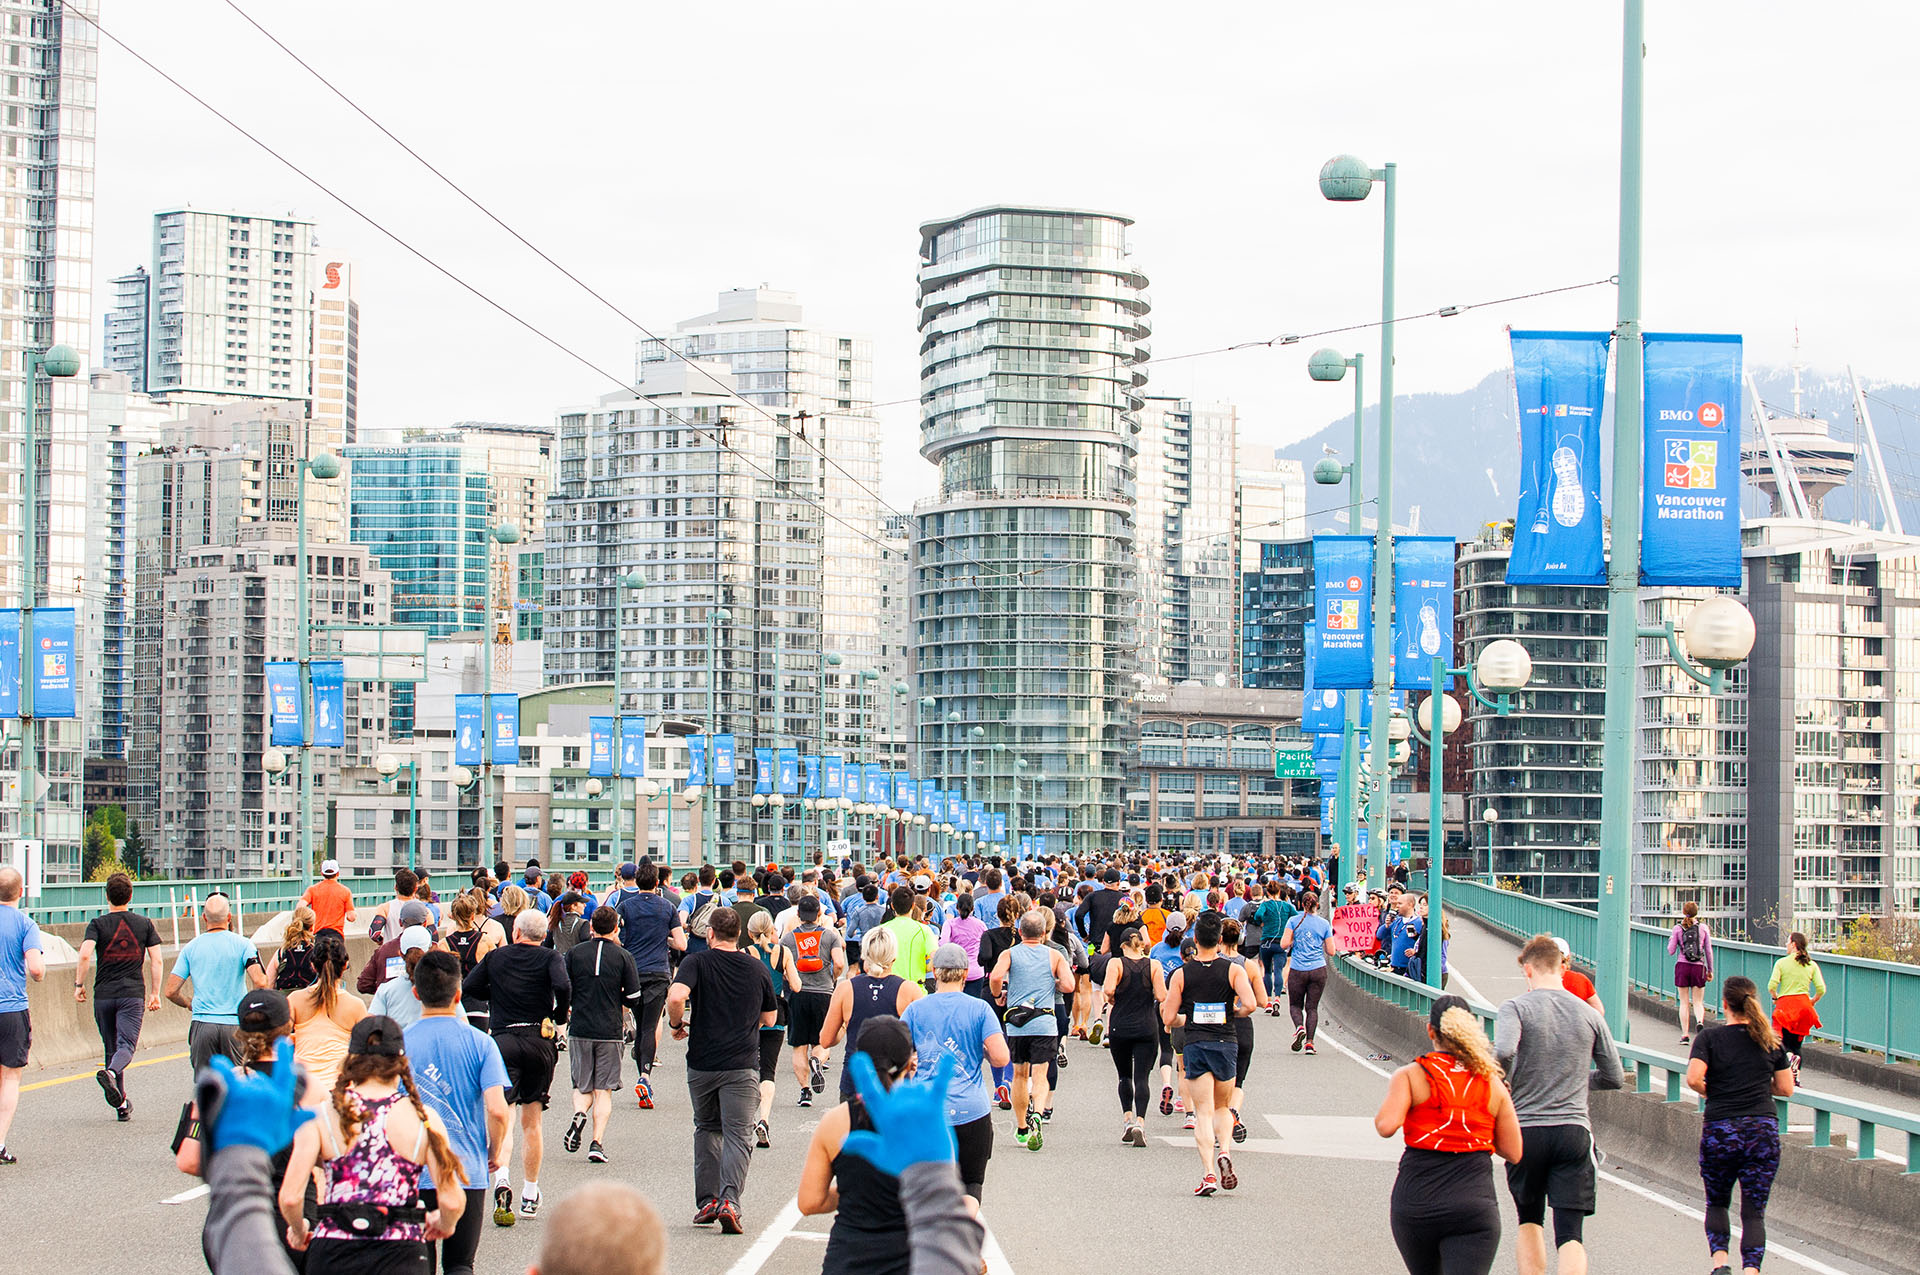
[232, 309]
[46, 255]
[127, 347]
[336, 358]
[1189, 569]
[1027, 594]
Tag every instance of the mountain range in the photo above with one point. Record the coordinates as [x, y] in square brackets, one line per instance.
[1456, 457]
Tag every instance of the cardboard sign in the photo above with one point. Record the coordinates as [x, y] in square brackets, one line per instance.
[1354, 928]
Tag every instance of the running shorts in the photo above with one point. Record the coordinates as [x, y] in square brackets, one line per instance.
[530, 1059]
[1037, 1050]
[16, 1038]
[806, 1015]
[1210, 1057]
[1556, 1167]
[595, 1064]
[773, 1047]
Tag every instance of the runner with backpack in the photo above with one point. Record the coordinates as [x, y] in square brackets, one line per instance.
[817, 958]
[1692, 949]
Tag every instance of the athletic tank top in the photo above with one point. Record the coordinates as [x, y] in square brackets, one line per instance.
[1133, 1015]
[464, 943]
[1207, 999]
[1457, 1115]
[1030, 983]
[371, 1171]
[870, 996]
[869, 1225]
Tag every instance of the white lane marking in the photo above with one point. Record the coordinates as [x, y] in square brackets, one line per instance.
[997, 1263]
[768, 1240]
[1324, 1137]
[1773, 1250]
[192, 1193]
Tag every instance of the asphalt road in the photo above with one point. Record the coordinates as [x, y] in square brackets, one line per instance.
[90, 1194]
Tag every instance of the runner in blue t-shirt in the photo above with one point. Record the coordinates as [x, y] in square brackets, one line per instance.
[459, 1073]
[1305, 940]
[963, 1027]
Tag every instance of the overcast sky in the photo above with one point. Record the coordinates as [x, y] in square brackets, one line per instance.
[664, 152]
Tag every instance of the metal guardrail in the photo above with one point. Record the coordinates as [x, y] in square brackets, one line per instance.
[1417, 998]
[1870, 1005]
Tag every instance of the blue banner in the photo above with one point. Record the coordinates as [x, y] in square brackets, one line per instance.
[283, 702]
[504, 709]
[999, 832]
[811, 789]
[1690, 510]
[469, 729]
[633, 747]
[976, 816]
[936, 806]
[53, 662]
[1342, 616]
[906, 793]
[723, 774]
[1560, 380]
[1327, 769]
[696, 761]
[1328, 745]
[763, 770]
[923, 800]
[600, 747]
[9, 663]
[833, 777]
[1321, 710]
[329, 703]
[1422, 608]
[1328, 798]
[873, 783]
[787, 760]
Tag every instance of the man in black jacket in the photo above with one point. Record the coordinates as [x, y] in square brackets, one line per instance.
[527, 986]
[605, 982]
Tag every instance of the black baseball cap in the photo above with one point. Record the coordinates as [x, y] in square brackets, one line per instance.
[378, 1035]
[263, 1010]
[887, 1041]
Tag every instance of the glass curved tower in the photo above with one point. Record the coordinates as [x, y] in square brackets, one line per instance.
[1025, 580]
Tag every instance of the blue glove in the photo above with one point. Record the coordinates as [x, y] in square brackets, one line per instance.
[254, 1109]
[909, 1121]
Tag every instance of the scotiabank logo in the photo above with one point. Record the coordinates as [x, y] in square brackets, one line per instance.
[333, 274]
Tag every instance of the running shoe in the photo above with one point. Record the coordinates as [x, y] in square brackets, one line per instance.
[1228, 1178]
[1003, 1097]
[1309, 1048]
[1126, 1131]
[1046, 1117]
[1686, 1038]
[643, 1093]
[530, 1205]
[1189, 1121]
[728, 1216]
[1094, 1034]
[1166, 1100]
[1239, 1130]
[1033, 1131]
[1722, 1269]
[1137, 1135]
[1299, 1038]
[8, 1157]
[502, 1204]
[1180, 1103]
[124, 1113]
[760, 1132]
[110, 1086]
[1208, 1185]
[806, 1097]
[596, 1154]
[571, 1139]
[819, 1077]
[709, 1212]
[1060, 1059]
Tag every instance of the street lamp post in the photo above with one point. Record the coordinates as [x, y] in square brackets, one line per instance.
[634, 582]
[1490, 817]
[60, 361]
[389, 766]
[504, 534]
[324, 467]
[1331, 365]
[1347, 179]
[826, 805]
[710, 814]
[1503, 669]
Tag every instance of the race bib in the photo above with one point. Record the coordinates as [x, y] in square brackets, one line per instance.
[1209, 1013]
[396, 966]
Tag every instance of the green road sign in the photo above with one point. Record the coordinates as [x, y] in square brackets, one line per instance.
[1293, 765]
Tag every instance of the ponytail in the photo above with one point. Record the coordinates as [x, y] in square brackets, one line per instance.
[1797, 943]
[1460, 1034]
[1743, 998]
[444, 1161]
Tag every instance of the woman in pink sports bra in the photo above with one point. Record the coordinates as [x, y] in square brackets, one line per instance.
[375, 1137]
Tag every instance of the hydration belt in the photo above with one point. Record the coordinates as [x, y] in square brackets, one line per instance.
[370, 1221]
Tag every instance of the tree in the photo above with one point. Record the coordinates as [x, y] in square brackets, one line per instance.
[133, 852]
[1882, 938]
[114, 818]
[96, 847]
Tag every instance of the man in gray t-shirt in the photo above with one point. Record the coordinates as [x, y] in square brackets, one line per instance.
[1554, 1048]
[818, 957]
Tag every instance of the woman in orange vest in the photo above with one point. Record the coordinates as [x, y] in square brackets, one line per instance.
[1454, 1109]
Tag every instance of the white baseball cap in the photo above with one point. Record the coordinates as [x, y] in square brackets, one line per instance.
[330, 868]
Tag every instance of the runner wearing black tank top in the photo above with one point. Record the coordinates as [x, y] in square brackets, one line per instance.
[1134, 987]
[1203, 995]
[868, 1219]
[876, 991]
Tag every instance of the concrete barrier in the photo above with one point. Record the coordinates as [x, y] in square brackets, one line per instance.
[63, 1030]
[1862, 1209]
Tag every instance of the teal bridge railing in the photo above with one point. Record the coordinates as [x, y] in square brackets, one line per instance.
[1869, 1005]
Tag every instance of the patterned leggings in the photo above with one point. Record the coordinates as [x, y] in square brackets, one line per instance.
[1744, 1150]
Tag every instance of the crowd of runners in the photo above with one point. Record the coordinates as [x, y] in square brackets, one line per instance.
[954, 987]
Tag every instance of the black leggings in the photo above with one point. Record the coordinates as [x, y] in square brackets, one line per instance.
[1133, 1058]
[1462, 1245]
[456, 1252]
[1792, 1042]
[1304, 988]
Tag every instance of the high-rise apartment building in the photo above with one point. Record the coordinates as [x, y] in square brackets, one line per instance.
[1272, 500]
[719, 505]
[232, 308]
[336, 357]
[1276, 605]
[122, 424]
[225, 611]
[1026, 571]
[46, 260]
[127, 349]
[424, 509]
[1539, 767]
[1187, 533]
